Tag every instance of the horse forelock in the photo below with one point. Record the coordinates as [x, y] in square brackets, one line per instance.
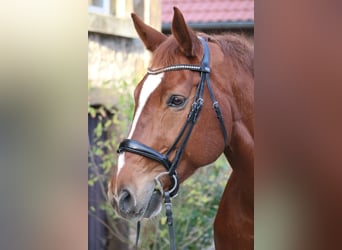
[169, 53]
[236, 47]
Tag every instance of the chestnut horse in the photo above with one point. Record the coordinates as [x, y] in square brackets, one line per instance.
[164, 101]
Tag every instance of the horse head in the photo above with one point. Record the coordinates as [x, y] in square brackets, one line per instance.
[163, 101]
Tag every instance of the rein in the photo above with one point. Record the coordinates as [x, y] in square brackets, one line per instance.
[135, 147]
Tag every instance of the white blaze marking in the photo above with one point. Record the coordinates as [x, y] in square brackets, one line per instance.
[150, 84]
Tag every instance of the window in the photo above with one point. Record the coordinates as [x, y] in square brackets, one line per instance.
[111, 17]
[99, 6]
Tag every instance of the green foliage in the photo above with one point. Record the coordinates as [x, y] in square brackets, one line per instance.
[111, 123]
[194, 208]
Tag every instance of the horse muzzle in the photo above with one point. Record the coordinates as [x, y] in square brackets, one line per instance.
[133, 207]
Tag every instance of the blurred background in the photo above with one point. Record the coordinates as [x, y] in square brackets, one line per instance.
[44, 137]
[117, 60]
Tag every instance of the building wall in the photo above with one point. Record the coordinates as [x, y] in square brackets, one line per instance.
[115, 53]
[113, 58]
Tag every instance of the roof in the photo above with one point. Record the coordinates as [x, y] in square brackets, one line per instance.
[202, 12]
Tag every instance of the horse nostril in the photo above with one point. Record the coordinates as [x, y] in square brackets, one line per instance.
[126, 202]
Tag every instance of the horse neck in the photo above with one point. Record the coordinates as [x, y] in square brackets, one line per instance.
[243, 101]
[240, 154]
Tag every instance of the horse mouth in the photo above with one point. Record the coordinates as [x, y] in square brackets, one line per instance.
[154, 205]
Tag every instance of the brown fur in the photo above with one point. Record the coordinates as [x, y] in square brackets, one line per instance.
[232, 78]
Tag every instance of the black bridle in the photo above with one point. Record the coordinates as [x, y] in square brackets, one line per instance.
[132, 146]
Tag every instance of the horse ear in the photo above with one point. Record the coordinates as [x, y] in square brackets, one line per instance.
[185, 37]
[151, 38]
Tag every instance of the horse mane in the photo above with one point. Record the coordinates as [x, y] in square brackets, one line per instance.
[237, 47]
[168, 53]
[240, 51]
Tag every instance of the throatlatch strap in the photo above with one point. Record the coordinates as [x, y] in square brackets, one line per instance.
[217, 111]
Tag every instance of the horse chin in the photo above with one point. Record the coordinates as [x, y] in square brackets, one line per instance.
[154, 205]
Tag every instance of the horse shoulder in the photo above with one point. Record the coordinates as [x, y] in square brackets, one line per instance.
[233, 227]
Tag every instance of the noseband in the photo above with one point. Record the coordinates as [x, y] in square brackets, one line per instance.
[135, 147]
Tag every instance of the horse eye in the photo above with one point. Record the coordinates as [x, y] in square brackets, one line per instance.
[176, 101]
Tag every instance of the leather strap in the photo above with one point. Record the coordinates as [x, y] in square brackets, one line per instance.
[132, 146]
[169, 220]
[138, 235]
